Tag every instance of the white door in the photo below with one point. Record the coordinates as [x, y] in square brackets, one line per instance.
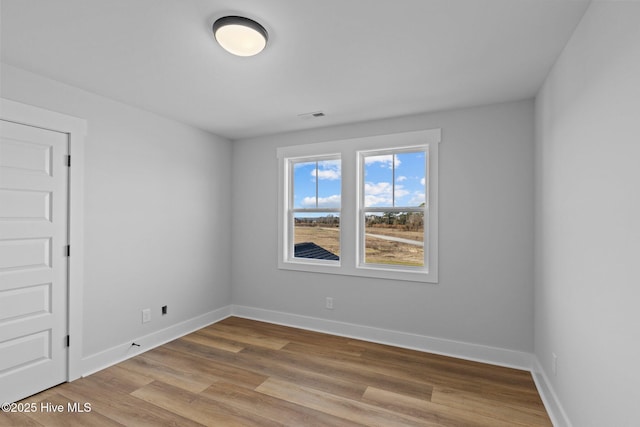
[33, 259]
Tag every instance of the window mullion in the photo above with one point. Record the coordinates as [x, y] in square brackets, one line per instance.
[316, 184]
[393, 180]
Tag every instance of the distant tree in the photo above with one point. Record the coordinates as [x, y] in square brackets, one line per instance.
[390, 217]
[401, 219]
[415, 221]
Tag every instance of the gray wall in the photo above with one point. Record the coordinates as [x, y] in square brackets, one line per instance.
[588, 219]
[157, 208]
[485, 294]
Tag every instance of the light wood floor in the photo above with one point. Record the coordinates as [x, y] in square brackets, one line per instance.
[241, 372]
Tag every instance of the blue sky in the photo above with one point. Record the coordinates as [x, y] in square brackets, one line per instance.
[379, 185]
[408, 188]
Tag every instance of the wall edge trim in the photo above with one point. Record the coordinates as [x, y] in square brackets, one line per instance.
[552, 404]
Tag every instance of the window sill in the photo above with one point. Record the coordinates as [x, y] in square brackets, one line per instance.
[377, 272]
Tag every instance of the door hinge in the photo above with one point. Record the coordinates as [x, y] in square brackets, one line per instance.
[68, 161]
[68, 250]
[68, 340]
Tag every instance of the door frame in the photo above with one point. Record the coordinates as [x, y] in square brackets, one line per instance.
[76, 128]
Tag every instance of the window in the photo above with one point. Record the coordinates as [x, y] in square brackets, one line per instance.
[314, 209]
[392, 207]
[362, 207]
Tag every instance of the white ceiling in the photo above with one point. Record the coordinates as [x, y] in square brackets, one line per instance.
[353, 59]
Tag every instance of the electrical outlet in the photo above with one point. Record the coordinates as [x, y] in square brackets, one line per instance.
[329, 303]
[554, 364]
[164, 310]
[146, 315]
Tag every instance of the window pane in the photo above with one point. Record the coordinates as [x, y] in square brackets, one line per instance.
[307, 194]
[304, 185]
[395, 180]
[410, 173]
[378, 181]
[394, 238]
[317, 236]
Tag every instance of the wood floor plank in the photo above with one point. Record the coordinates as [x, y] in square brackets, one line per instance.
[121, 407]
[299, 373]
[18, 419]
[424, 367]
[474, 377]
[395, 401]
[213, 341]
[197, 408]
[121, 379]
[244, 336]
[320, 349]
[210, 369]
[272, 408]
[433, 412]
[189, 381]
[351, 371]
[480, 404]
[411, 358]
[337, 343]
[270, 363]
[351, 410]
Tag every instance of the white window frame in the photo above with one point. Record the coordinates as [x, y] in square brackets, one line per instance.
[363, 210]
[291, 210]
[350, 152]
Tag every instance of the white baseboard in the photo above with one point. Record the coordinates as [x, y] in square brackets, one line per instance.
[461, 350]
[551, 402]
[124, 351]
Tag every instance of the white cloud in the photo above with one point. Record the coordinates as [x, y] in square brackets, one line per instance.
[400, 192]
[328, 174]
[329, 202]
[417, 199]
[385, 160]
[328, 169]
[422, 181]
[323, 202]
[401, 178]
[336, 163]
[378, 194]
[381, 194]
[371, 201]
[377, 188]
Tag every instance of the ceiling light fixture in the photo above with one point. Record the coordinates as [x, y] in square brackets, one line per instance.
[240, 36]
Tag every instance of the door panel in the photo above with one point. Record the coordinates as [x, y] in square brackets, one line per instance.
[20, 205]
[33, 262]
[18, 153]
[26, 301]
[24, 254]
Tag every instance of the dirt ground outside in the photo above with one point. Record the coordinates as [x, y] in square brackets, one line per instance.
[378, 251]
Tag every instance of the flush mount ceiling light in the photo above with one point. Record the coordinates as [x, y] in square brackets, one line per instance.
[240, 36]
